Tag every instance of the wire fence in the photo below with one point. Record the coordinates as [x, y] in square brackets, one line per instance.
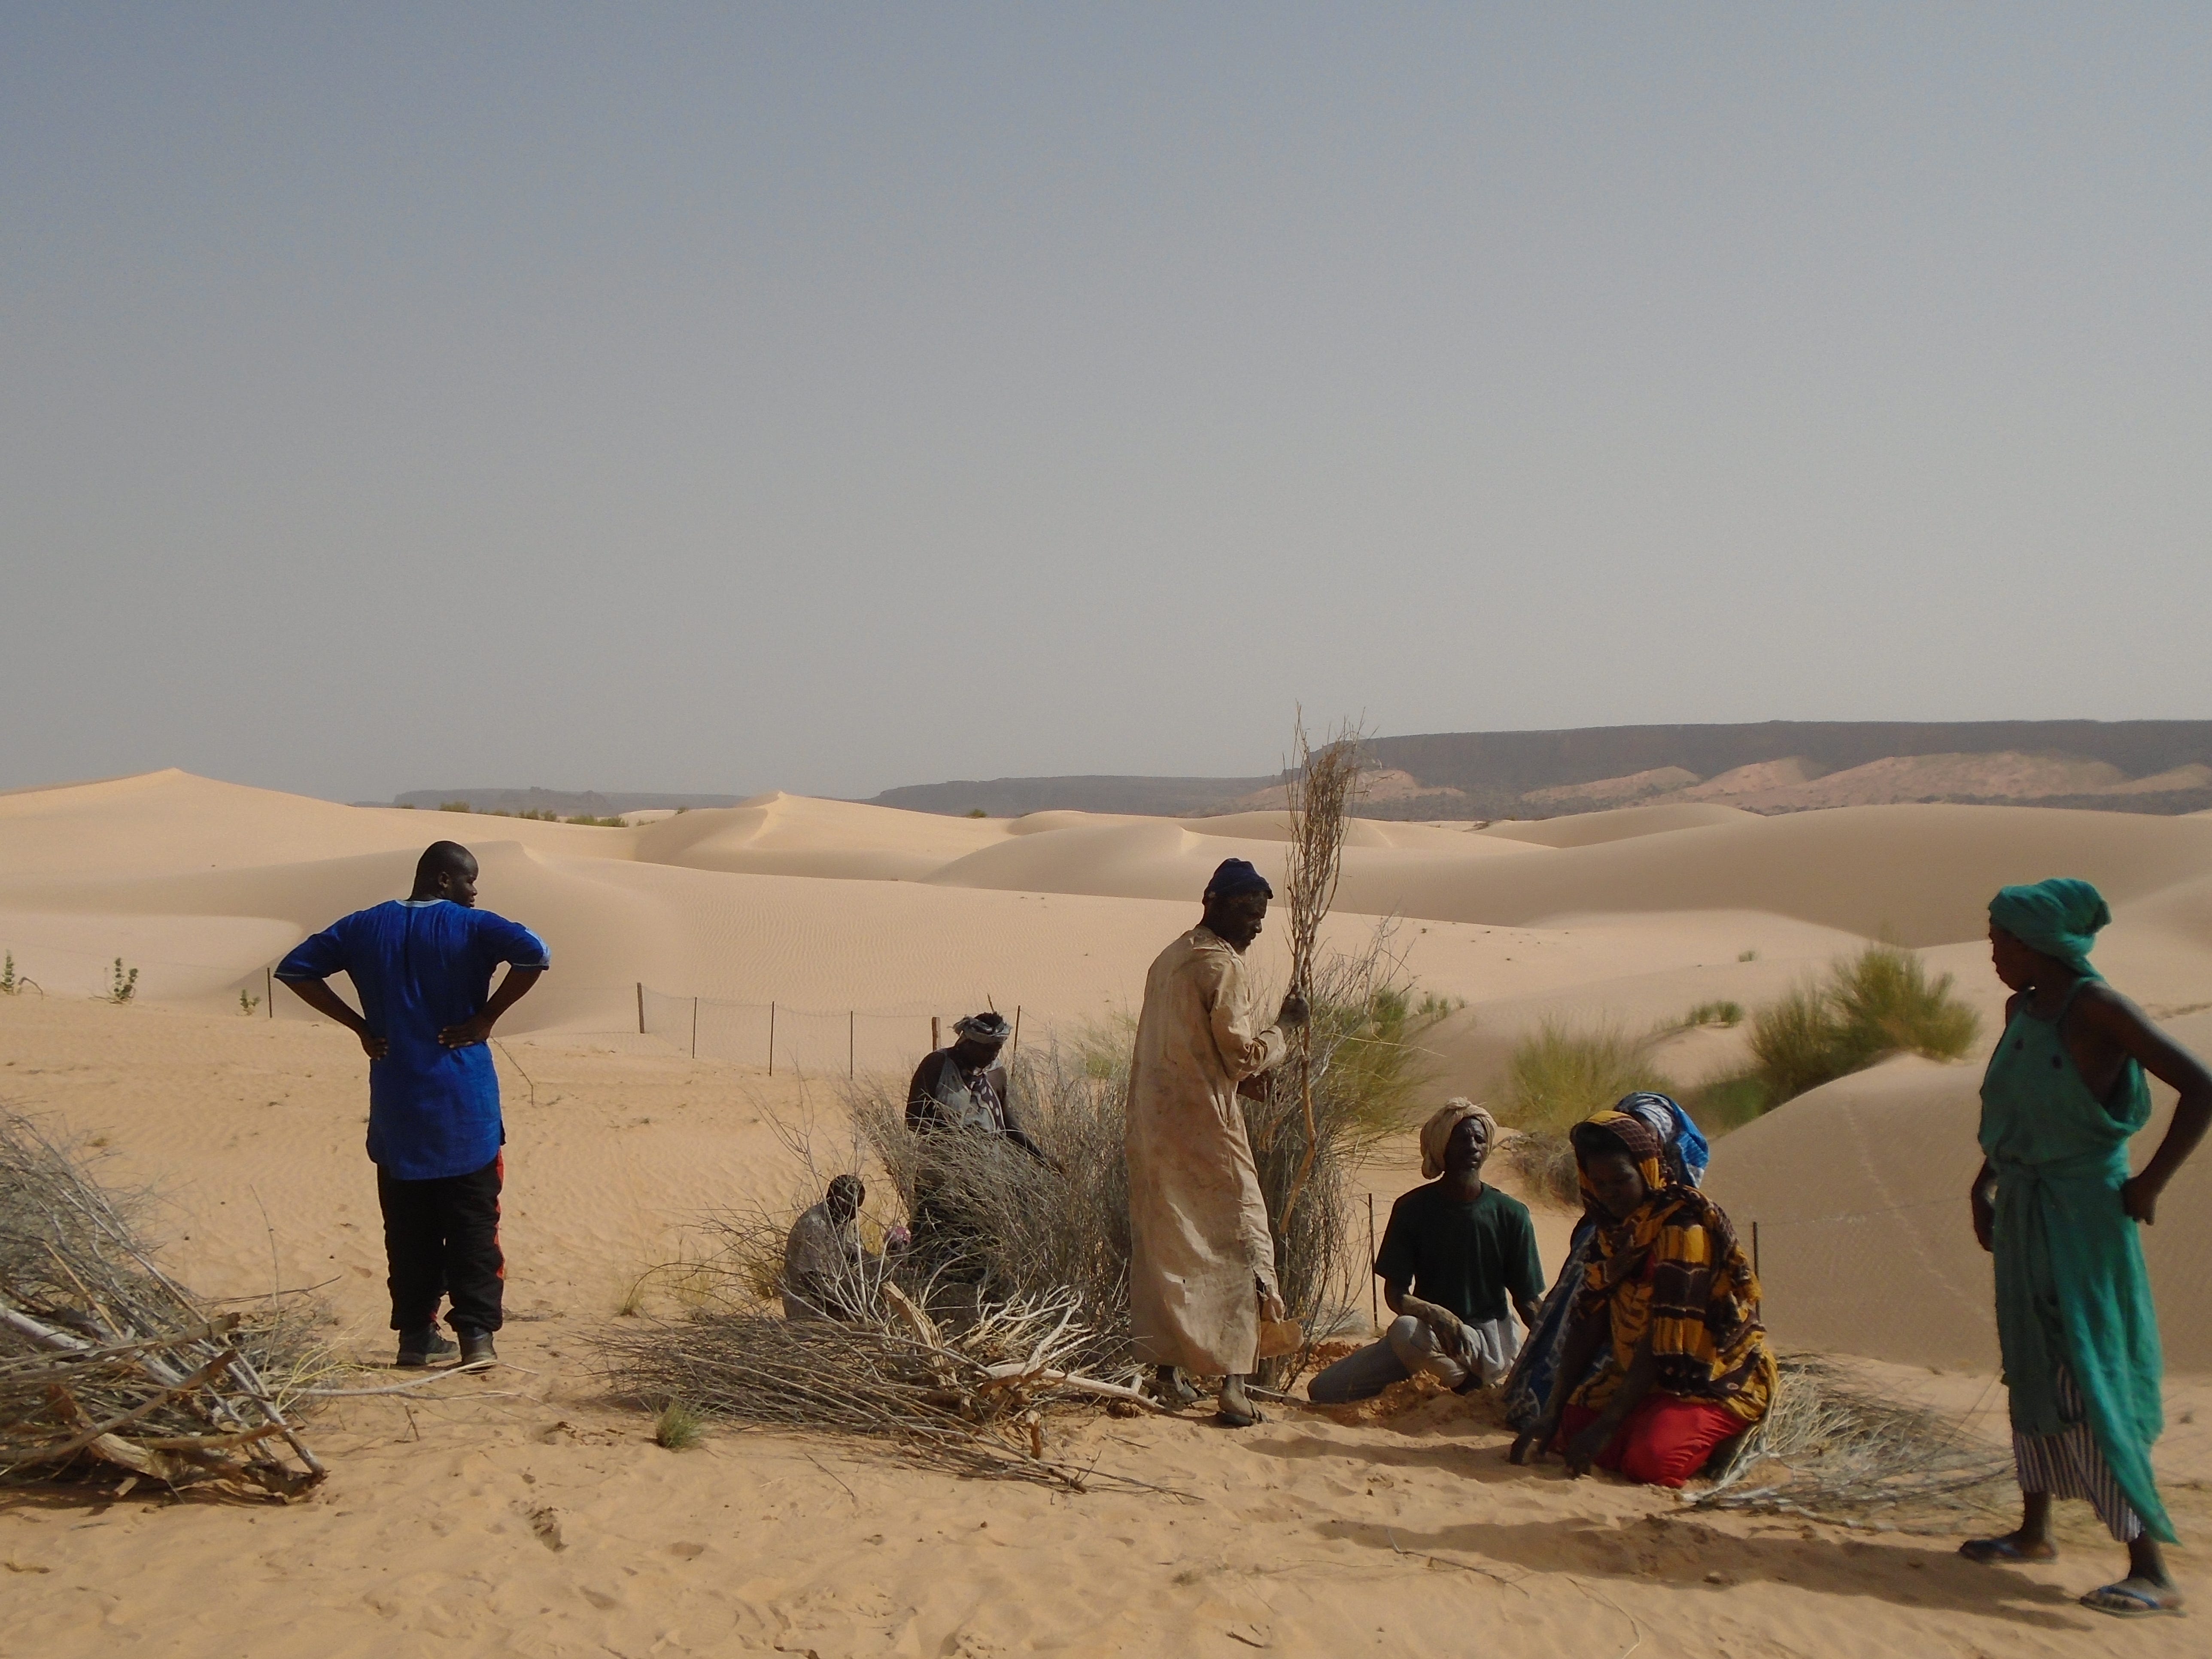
[775, 1034]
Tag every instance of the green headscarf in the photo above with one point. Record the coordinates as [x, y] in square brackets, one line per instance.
[2059, 917]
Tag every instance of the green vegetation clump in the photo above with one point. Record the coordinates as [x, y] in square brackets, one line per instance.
[678, 1427]
[1561, 1073]
[13, 984]
[977, 812]
[247, 1003]
[1746, 955]
[122, 986]
[1724, 1014]
[597, 823]
[453, 807]
[1867, 1007]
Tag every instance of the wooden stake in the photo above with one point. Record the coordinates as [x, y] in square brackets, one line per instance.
[641, 1007]
[936, 1037]
[268, 990]
[771, 1039]
[1374, 1307]
[851, 1042]
[694, 1028]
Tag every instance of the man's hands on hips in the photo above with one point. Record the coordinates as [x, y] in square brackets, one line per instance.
[467, 1033]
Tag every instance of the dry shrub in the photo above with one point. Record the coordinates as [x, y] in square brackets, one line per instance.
[108, 1365]
[1546, 1163]
[1832, 1449]
[1562, 1073]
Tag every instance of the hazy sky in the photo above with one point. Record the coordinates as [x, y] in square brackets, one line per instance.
[831, 397]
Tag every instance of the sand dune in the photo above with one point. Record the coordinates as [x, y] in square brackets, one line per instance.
[1860, 1191]
[858, 923]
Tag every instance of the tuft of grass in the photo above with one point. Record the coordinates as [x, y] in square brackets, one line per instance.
[596, 824]
[1878, 1003]
[122, 986]
[977, 812]
[13, 984]
[1724, 1014]
[1746, 955]
[1561, 1073]
[247, 1003]
[1545, 1159]
[453, 807]
[678, 1427]
[1729, 1103]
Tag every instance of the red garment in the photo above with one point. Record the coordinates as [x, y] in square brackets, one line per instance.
[1666, 1440]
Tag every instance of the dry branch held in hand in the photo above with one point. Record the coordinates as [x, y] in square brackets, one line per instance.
[1325, 784]
[105, 1360]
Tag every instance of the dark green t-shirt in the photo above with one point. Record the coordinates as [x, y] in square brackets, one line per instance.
[1461, 1256]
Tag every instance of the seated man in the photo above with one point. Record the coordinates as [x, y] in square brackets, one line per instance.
[1454, 1252]
[1672, 1302]
[825, 1266]
[964, 1087]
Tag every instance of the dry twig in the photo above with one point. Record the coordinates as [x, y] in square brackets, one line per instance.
[104, 1356]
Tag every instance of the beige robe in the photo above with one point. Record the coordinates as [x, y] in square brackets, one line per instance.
[1198, 1226]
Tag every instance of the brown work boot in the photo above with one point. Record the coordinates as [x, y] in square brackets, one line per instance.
[477, 1352]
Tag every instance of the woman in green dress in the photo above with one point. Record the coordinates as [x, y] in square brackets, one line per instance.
[2054, 1203]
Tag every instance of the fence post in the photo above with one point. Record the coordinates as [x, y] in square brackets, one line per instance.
[1755, 1252]
[694, 1028]
[641, 1007]
[935, 1037]
[1374, 1309]
[268, 990]
[771, 1039]
[852, 1041]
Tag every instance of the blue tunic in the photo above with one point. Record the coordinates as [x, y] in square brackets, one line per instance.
[420, 965]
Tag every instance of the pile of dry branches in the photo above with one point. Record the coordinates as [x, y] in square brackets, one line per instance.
[107, 1362]
[974, 1400]
[1834, 1451]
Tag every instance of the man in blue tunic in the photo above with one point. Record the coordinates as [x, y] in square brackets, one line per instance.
[421, 967]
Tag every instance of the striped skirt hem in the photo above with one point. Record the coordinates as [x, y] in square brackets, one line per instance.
[2069, 1465]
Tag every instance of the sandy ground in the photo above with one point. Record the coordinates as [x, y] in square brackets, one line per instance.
[535, 1515]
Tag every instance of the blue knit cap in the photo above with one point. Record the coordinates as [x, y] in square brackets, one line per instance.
[1234, 878]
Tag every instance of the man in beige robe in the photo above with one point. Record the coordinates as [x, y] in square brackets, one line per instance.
[1203, 1258]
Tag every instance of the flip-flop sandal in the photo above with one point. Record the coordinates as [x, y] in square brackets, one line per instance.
[1227, 1421]
[2130, 1604]
[1999, 1552]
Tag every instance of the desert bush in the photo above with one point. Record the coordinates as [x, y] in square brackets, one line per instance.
[1545, 1159]
[1878, 1003]
[1723, 1014]
[13, 984]
[1037, 1228]
[247, 1003]
[1728, 1102]
[1561, 1073]
[122, 986]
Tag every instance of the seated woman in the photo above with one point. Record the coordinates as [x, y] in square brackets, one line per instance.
[1683, 1156]
[1454, 1250]
[1671, 1302]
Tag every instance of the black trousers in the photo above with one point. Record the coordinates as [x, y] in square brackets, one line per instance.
[441, 1239]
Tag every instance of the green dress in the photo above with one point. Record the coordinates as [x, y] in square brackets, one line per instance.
[2072, 1288]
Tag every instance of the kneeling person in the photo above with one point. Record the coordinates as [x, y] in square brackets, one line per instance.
[1670, 1300]
[1455, 1250]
